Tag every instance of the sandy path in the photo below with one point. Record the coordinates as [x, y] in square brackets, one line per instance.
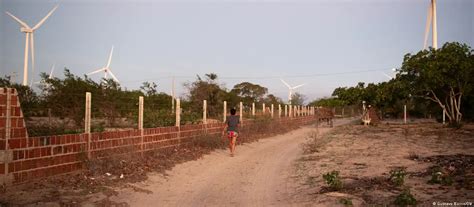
[257, 176]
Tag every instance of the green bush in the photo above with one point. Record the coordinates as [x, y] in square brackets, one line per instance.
[333, 180]
[439, 177]
[405, 199]
[397, 176]
[346, 201]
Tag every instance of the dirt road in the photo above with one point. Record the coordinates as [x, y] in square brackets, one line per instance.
[259, 175]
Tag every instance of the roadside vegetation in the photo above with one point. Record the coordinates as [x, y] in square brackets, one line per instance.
[428, 82]
[58, 106]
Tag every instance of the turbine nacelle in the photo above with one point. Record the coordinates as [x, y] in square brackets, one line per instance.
[26, 30]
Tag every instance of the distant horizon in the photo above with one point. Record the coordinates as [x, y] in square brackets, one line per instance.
[325, 44]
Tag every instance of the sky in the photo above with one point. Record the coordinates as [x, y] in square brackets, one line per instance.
[322, 43]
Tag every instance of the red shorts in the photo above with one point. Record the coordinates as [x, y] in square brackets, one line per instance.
[231, 134]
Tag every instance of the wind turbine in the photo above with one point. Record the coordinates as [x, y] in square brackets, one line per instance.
[106, 69]
[431, 19]
[290, 88]
[30, 37]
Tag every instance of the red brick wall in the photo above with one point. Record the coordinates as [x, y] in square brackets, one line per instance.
[37, 157]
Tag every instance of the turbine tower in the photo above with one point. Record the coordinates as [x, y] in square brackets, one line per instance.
[431, 19]
[290, 89]
[106, 69]
[25, 28]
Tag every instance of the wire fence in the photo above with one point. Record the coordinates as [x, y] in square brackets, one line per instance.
[114, 113]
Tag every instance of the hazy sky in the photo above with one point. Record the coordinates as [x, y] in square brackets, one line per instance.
[313, 42]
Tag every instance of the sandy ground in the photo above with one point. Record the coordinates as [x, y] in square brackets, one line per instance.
[365, 155]
[258, 175]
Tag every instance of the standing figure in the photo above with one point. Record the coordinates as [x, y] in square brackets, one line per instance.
[232, 126]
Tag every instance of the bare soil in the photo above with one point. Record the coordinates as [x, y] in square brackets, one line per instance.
[365, 155]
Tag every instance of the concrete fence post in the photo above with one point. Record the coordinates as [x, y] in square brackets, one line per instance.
[87, 118]
[279, 110]
[253, 109]
[343, 112]
[289, 110]
[241, 112]
[178, 112]
[204, 111]
[286, 110]
[272, 110]
[140, 121]
[405, 113]
[87, 122]
[140, 113]
[263, 109]
[225, 111]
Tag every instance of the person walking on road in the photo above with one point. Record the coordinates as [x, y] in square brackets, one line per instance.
[232, 126]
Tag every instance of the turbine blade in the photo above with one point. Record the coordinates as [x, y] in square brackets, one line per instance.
[113, 76]
[385, 74]
[429, 19]
[52, 71]
[299, 86]
[18, 20]
[96, 71]
[110, 57]
[44, 19]
[286, 84]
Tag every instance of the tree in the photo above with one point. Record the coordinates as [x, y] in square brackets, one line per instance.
[209, 90]
[272, 99]
[328, 102]
[297, 99]
[443, 76]
[149, 88]
[66, 96]
[250, 92]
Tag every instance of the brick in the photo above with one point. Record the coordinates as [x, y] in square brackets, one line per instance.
[14, 143]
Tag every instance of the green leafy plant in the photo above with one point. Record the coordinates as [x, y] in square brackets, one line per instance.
[405, 198]
[333, 180]
[438, 176]
[397, 176]
[346, 201]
